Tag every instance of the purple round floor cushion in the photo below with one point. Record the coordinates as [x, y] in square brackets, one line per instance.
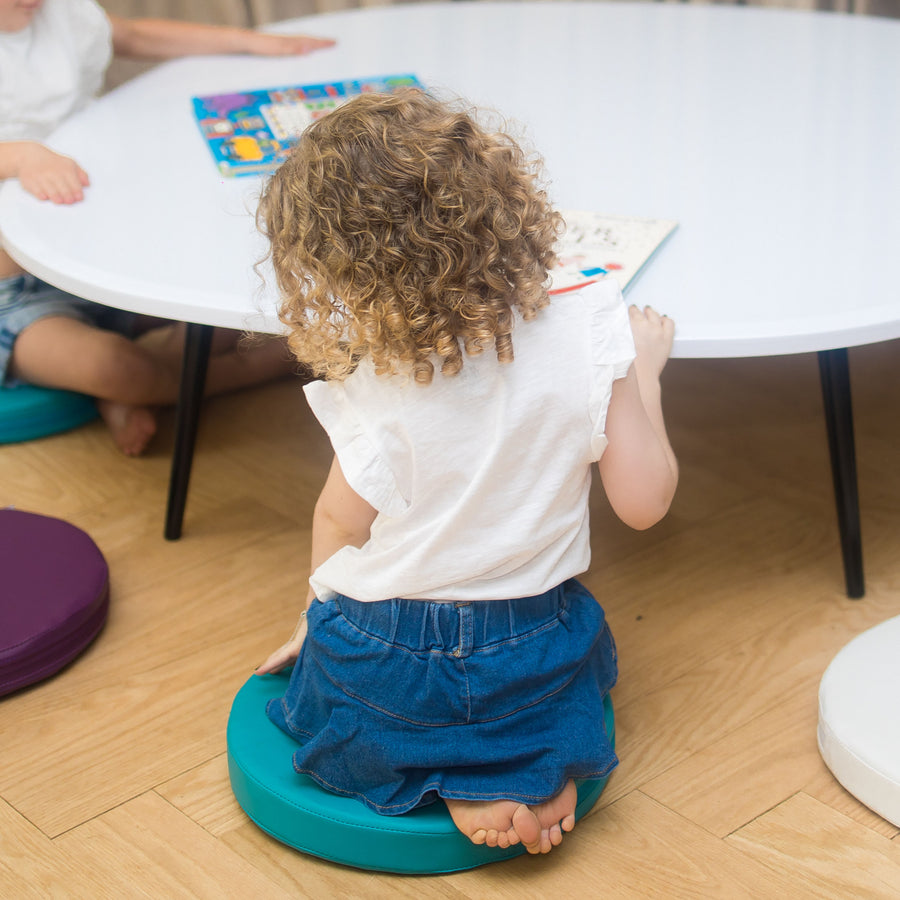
[54, 596]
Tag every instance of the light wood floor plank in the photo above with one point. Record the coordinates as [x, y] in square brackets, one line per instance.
[768, 758]
[204, 794]
[672, 723]
[146, 848]
[836, 857]
[742, 595]
[32, 867]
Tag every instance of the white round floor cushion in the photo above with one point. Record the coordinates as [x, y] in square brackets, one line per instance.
[859, 718]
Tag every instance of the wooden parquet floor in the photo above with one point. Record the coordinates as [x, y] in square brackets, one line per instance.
[113, 778]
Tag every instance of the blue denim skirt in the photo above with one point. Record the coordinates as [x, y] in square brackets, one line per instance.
[400, 702]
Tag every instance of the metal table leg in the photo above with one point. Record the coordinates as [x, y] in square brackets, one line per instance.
[834, 371]
[197, 342]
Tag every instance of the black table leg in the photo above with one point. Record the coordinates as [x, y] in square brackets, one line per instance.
[197, 342]
[834, 371]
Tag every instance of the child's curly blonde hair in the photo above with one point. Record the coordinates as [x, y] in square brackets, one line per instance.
[402, 230]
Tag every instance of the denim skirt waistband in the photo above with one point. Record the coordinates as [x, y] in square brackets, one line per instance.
[459, 629]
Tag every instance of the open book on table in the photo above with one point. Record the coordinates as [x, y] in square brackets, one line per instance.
[596, 246]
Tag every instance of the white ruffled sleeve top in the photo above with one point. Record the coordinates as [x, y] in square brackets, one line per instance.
[480, 480]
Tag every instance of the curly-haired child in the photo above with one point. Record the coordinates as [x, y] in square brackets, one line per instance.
[447, 650]
[53, 57]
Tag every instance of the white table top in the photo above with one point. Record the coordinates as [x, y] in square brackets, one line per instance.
[773, 137]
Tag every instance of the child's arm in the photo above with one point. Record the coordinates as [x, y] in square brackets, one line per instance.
[638, 469]
[169, 38]
[42, 172]
[341, 518]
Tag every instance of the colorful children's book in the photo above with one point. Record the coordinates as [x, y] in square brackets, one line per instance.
[596, 246]
[252, 132]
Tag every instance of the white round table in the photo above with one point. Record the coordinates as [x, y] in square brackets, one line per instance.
[771, 136]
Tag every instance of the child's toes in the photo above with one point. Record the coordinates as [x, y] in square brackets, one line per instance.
[528, 829]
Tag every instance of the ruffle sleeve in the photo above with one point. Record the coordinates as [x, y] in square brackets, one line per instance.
[363, 466]
[612, 352]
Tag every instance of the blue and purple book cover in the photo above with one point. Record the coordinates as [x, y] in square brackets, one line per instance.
[252, 132]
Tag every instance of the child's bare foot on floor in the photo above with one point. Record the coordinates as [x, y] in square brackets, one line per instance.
[131, 427]
[497, 823]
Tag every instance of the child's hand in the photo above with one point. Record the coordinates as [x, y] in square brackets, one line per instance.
[262, 44]
[653, 335]
[51, 176]
[286, 654]
[168, 39]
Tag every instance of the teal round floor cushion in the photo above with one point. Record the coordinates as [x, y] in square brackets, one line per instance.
[28, 412]
[296, 811]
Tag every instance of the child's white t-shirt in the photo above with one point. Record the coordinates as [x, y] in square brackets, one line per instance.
[480, 479]
[52, 68]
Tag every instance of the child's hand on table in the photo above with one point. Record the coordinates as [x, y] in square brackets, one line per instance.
[168, 39]
[49, 175]
[266, 44]
[653, 336]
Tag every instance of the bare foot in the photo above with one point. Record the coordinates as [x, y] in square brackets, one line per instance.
[497, 823]
[556, 816]
[503, 823]
[131, 427]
